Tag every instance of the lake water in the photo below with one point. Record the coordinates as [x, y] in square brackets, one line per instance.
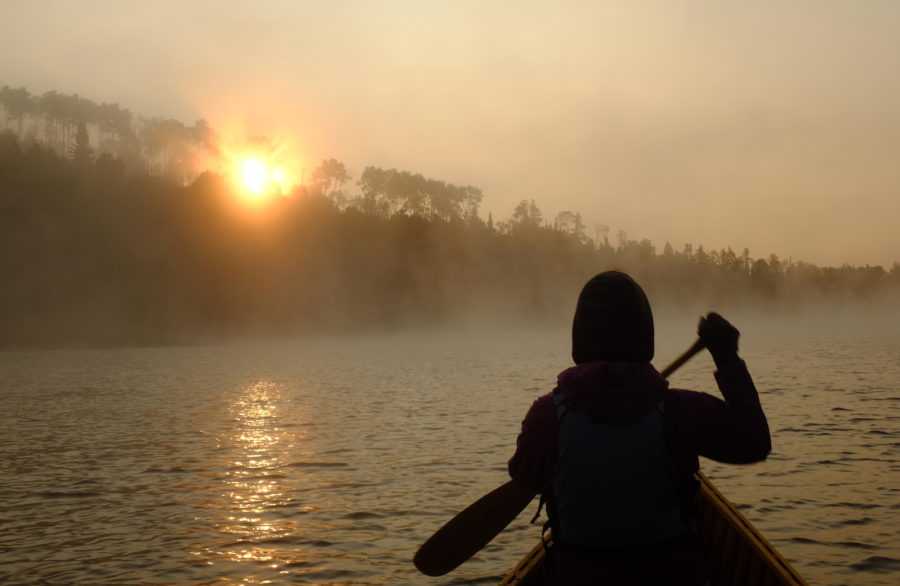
[329, 460]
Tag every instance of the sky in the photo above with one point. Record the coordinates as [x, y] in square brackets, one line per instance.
[767, 125]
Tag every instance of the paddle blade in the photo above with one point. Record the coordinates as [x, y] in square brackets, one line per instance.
[465, 534]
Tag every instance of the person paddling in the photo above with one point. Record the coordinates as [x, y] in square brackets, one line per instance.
[612, 449]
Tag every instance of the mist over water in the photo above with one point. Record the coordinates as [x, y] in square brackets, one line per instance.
[330, 459]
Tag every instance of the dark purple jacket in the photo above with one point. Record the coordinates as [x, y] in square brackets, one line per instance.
[696, 424]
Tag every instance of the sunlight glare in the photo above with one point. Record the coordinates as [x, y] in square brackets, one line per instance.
[259, 178]
[255, 176]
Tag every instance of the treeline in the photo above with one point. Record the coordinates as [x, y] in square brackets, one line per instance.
[388, 192]
[67, 123]
[94, 250]
[90, 253]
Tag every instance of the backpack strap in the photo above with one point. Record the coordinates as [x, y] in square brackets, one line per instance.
[563, 406]
[547, 502]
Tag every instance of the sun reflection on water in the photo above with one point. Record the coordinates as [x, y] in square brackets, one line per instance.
[254, 497]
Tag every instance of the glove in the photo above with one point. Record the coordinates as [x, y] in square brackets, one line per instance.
[719, 337]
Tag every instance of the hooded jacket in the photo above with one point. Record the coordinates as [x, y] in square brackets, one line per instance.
[733, 430]
[614, 384]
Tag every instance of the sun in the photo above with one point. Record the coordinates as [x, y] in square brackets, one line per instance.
[259, 177]
[259, 170]
[254, 176]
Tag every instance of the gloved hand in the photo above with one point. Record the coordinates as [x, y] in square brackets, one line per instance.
[719, 337]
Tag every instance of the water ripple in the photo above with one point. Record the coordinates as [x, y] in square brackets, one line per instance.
[330, 461]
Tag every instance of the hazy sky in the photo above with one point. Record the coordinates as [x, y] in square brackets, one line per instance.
[772, 125]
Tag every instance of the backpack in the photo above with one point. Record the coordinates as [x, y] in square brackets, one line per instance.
[615, 486]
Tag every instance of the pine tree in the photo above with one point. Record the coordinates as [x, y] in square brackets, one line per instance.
[80, 151]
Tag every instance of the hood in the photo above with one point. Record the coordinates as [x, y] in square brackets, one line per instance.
[613, 321]
[613, 392]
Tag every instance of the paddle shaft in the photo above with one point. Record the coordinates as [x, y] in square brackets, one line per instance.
[465, 534]
[679, 362]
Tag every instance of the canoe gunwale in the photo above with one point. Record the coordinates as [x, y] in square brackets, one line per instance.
[785, 573]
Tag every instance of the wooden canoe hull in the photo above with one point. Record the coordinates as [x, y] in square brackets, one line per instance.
[738, 554]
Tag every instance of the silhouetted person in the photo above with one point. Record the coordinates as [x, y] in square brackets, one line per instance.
[613, 449]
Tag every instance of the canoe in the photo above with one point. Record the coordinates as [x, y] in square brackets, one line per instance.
[737, 554]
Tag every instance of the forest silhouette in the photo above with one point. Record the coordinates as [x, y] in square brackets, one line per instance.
[111, 235]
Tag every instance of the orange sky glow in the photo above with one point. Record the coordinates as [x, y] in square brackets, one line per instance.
[768, 125]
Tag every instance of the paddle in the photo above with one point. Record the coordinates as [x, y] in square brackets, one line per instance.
[679, 362]
[465, 534]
